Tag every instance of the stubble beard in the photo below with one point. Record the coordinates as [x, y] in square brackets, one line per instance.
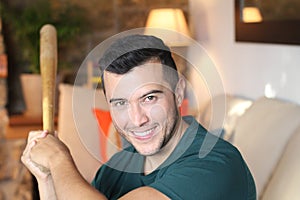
[170, 132]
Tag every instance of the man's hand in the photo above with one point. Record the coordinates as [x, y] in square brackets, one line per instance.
[50, 161]
[42, 152]
[42, 174]
[49, 152]
[37, 170]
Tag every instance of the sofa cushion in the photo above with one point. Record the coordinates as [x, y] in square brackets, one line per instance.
[76, 119]
[262, 133]
[285, 182]
[222, 112]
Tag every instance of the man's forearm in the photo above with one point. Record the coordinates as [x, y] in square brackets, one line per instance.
[46, 189]
[69, 184]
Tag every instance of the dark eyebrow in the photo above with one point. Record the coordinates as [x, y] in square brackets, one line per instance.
[151, 92]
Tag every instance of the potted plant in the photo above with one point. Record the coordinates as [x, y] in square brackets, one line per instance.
[25, 21]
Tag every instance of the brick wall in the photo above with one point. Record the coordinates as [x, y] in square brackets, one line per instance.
[109, 17]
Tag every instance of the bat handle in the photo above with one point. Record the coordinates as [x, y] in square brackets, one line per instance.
[48, 66]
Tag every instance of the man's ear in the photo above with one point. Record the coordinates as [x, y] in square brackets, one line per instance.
[180, 90]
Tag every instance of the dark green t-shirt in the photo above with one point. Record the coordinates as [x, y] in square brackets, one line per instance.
[202, 166]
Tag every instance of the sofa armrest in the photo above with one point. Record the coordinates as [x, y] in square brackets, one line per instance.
[262, 133]
[223, 112]
[285, 181]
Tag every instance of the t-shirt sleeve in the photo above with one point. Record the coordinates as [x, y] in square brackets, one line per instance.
[98, 177]
[204, 179]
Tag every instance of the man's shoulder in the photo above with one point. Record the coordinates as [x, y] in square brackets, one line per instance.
[199, 148]
[200, 142]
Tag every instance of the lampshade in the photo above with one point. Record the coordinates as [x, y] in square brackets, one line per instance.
[169, 19]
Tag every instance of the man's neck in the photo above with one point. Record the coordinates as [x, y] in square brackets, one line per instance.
[154, 161]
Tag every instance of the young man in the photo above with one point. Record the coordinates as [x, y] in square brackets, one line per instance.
[144, 93]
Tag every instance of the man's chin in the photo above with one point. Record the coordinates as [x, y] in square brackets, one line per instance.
[149, 152]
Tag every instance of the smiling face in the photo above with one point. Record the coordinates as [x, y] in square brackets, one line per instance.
[143, 107]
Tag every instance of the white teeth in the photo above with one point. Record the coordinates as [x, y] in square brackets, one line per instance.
[141, 134]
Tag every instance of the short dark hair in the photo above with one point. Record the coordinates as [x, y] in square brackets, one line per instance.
[134, 50]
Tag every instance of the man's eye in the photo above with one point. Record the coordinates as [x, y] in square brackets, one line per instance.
[150, 99]
[119, 103]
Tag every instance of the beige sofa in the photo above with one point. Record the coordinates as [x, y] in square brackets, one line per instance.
[266, 131]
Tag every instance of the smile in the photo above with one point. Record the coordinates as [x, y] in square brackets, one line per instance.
[144, 135]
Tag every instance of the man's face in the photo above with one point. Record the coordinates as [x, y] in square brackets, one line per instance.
[142, 106]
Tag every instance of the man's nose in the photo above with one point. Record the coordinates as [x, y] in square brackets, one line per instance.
[138, 115]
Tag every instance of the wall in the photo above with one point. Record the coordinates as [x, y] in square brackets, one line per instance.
[247, 69]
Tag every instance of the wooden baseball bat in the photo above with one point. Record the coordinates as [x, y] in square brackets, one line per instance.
[48, 66]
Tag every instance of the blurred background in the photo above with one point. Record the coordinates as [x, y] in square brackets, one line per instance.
[252, 44]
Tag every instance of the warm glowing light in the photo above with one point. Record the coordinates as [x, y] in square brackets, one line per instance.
[251, 15]
[171, 19]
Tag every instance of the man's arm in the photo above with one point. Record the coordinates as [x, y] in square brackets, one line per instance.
[145, 193]
[46, 189]
[51, 163]
[70, 184]
[51, 153]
